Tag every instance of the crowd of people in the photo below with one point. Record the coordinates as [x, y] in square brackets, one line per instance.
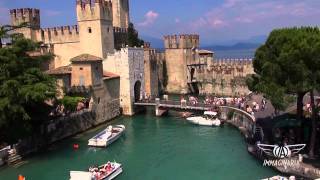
[254, 107]
[216, 101]
[239, 102]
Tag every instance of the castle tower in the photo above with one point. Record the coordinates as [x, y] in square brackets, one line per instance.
[29, 16]
[95, 27]
[180, 54]
[121, 17]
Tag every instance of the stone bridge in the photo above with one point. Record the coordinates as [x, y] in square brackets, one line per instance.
[244, 121]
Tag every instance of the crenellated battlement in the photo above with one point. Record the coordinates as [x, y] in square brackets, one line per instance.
[94, 9]
[232, 62]
[182, 41]
[120, 30]
[62, 34]
[25, 15]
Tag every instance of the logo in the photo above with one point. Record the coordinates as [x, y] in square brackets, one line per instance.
[281, 152]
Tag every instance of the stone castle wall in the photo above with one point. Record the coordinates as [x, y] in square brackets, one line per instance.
[224, 77]
[151, 77]
[128, 63]
[120, 9]
[120, 37]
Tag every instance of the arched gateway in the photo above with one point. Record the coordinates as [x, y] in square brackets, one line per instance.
[137, 91]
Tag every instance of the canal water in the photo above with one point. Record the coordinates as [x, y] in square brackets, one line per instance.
[152, 149]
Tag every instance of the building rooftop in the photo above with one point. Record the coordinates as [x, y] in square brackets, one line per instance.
[109, 75]
[85, 58]
[60, 70]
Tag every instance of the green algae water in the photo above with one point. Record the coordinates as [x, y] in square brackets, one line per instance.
[152, 149]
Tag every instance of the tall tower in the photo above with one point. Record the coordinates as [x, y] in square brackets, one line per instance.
[121, 17]
[180, 54]
[29, 16]
[95, 27]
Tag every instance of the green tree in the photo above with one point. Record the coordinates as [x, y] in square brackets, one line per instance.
[133, 37]
[6, 29]
[289, 63]
[23, 88]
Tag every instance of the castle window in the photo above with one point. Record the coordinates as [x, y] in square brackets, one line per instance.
[81, 68]
[89, 30]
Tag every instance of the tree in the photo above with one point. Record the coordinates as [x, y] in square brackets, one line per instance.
[288, 63]
[277, 63]
[6, 29]
[23, 88]
[133, 37]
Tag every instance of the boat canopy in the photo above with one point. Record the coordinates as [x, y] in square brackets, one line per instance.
[212, 113]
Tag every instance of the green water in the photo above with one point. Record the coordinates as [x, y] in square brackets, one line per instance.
[152, 149]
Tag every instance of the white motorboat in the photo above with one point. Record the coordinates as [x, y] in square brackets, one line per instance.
[209, 118]
[107, 136]
[280, 178]
[105, 172]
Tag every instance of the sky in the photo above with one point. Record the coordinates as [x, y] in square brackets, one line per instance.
[216, 21]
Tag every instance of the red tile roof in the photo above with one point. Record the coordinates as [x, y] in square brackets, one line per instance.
[85, 58]
[60, 70]
[110, 75]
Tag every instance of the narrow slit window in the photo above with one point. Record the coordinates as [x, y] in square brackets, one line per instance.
[89, 30]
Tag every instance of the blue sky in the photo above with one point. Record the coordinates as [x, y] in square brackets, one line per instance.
[217, 21]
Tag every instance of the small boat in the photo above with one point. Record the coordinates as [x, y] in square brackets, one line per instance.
[104, 172]
[209, 118]
[280, 178]
[107, 136]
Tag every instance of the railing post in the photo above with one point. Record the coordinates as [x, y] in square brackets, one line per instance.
[183, 103]
[157, 100]
[165, 97]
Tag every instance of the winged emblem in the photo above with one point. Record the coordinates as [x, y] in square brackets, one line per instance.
[281, 151]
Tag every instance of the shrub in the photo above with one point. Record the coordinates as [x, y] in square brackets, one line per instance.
[70, 103]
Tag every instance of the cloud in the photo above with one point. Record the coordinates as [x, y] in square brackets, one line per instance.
[235, 13]
[150, 18]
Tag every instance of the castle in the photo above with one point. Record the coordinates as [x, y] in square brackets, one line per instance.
[94, 54]
[101, 27]
[193, 70]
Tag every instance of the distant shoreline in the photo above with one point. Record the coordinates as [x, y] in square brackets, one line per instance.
[234, 54]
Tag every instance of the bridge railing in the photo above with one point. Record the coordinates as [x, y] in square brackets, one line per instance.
[239, 118]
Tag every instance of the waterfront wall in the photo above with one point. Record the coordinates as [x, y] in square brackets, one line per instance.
[105, 107]
[244, 121]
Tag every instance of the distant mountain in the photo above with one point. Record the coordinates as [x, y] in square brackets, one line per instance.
[237, 46]
[251, 43]
[155, 42]
[257, 39]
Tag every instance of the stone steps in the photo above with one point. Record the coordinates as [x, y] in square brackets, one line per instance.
[20, 163]
[14, 159]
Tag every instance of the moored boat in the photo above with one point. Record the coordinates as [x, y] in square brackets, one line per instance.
[107, 136]
[209, 118]
[107, 171]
